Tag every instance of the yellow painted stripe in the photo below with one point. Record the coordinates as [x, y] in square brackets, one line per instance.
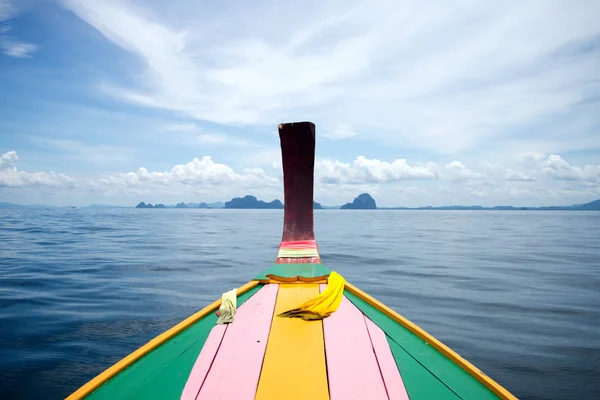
[294, 363]
[488, 382]
[99, 380]
[298, 253]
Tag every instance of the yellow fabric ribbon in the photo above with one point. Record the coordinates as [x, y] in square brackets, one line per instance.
[324, 304]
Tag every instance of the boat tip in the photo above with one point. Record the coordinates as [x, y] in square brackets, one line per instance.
[284, 124]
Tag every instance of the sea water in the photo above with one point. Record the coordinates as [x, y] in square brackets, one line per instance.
[517, 293]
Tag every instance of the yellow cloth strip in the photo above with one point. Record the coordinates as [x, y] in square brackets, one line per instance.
[322, 305]
[294, 363]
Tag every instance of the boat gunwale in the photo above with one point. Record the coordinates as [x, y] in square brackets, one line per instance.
[121, 365]
[475, 372]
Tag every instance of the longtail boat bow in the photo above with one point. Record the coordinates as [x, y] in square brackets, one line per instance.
[344, 344]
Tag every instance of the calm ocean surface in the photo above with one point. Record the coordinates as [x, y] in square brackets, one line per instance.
[516, 293]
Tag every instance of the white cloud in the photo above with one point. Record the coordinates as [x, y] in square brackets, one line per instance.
[439, 77]
[8, 160]
[221, 139]
[189, 127]
[9, 46]
[86, 153]
[341, 132]
[365, 171]
[206, 138]
[396, 183]
[18, 50]
[530, 158]
[456, 171]
[197, 172]
[518, 176]
[10, 176]
[558, 168]
[7, 10]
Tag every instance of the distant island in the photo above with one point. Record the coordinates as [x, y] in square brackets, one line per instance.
[247, 202]
[178, 205]
[252, 202]
[593, 205]
[144, 205]
[362, 202]
[217, 204]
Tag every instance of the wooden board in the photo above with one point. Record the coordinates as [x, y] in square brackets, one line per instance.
[203, 363]
[236, 369]
[163, 372]
[352, 367]
[294, 364]
[387, 365]
[423, 368]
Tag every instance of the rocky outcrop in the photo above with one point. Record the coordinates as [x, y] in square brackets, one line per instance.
[362, 202]
[144, 205]
[252, 202]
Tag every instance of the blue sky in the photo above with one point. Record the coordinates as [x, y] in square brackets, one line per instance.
[417, 103]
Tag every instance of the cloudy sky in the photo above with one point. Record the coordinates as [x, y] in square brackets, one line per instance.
[418, 103]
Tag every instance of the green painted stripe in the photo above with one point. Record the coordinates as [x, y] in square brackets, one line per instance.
[294, 270]
[170, 381]
[454, 377]
[420, 383]
[162, 373]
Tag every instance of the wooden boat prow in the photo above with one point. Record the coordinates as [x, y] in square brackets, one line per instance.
[364, 350]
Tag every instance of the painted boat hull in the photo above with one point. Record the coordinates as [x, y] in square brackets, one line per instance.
[161, 368]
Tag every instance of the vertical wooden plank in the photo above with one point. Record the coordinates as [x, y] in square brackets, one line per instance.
[294, 365]
[387, 365]
[203, 363]
[352, 367]
[298, 161]
[417, 360]
[236, 369]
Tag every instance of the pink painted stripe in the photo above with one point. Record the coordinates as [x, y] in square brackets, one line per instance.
[235, 371]
[387, 365]
[203, 363]
[298, 244]
[298, 260]
[352, 367]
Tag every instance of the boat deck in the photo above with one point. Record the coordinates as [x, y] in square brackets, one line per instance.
[356, 353]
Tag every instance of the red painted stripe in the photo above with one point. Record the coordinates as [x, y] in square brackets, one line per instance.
[298, 260]
[298, 244]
